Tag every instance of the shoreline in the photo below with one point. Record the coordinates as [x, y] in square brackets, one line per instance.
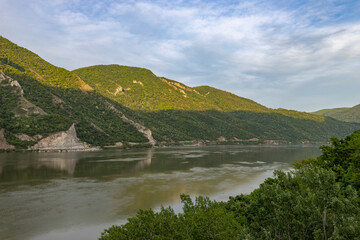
[201, 143]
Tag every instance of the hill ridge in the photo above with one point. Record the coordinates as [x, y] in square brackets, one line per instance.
[346, 114]
[134, 88]
[192, 115]
[24, 60]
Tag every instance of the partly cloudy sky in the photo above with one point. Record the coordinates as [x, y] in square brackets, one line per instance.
[294, 54]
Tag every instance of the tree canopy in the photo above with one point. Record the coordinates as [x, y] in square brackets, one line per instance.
[318, 199]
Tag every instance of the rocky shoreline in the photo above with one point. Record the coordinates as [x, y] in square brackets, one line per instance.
[67, 141]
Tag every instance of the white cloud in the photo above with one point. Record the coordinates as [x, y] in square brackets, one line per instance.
[256, 49]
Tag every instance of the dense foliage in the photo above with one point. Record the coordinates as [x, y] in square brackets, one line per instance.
[316, 200]
[94, 116]
[95, 122]
[342, 157]
[203, 219]
[343, 114]
[209, 125]
[140, 89]
[25, 61]
[175, 112]
[47, 99]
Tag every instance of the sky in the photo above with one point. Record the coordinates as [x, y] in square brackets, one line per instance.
[293, 54]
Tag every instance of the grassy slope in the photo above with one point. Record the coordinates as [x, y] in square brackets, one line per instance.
[64, 97]
[25, 61]
[140, 89]
[177, 112]
[183, 113]
[342, 114]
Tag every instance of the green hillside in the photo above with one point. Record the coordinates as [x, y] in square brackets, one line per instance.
[342, 114]
[140, 89]
[112, 104]
[17, 59]
[37, 98]
[175, 125]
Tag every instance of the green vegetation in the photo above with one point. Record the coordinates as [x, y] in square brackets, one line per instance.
[342, 157]
[203, 219]
[342, 114]
[319, 199]
[140, 89]
[95, 122]
[176, 112]
[21, 59]
[38, 99]
[172, 125]
[60, 96]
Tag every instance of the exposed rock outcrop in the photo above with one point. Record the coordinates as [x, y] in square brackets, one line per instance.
[221, 139]
[24, 108]
[3, 142]
[66, 140]
[235, 139]
[144, 130]
[25, 137]
[275, 142]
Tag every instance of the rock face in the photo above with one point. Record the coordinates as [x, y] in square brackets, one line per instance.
[24, 108]
[144, 130]
[221, 139]
[3, 142]
[25, 137]
[66, 140]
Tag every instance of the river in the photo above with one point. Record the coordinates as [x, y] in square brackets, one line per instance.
[76, 195]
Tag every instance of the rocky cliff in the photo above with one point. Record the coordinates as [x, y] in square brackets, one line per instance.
[66, 140]
[24, 107]
[142, 129]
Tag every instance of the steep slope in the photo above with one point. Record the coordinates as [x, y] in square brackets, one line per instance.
[115, 105]
[343, 114]
[140, 89]
[38, 99]
[16, 58]
[176, 112]
[136, 88]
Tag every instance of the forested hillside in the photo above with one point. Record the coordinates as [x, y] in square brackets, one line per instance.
[115, 105]
[139, 89]
[342, 114]
[38, 99]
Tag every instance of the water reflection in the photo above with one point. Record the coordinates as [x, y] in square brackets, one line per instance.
[31, 166]
[45, 195]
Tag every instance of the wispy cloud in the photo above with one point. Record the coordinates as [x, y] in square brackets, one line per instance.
[293, 54]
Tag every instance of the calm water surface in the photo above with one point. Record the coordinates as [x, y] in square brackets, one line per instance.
[76, 195]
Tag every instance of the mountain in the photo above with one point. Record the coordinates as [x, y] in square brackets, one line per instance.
[44, 105]
[38, 99]
[343, 114]
[140, 89]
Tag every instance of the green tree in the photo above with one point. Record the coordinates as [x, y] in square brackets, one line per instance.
[305, 204]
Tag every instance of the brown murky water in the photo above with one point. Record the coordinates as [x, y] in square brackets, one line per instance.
[76, 195]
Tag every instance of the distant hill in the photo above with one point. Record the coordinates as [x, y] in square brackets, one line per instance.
[139, 89]
[343, 114]
[115, 105]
